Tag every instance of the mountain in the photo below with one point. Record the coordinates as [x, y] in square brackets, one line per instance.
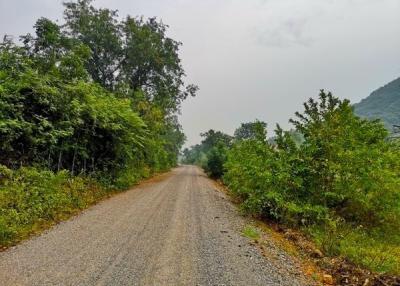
[383, 103]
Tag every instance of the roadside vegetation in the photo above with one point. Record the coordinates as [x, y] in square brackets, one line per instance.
[86, 108]
[335, 176]
[251, 232]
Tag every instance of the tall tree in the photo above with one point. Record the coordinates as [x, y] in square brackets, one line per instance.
[252, 130]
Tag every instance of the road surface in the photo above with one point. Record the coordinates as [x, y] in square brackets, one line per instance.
[174, 230]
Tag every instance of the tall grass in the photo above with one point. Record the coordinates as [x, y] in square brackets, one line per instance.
[31, 199]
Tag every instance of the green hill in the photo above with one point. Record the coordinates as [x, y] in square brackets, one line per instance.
[383, 103]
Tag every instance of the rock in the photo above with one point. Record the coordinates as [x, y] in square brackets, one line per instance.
[327, 279]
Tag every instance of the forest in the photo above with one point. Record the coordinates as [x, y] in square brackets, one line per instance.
[87, 108]
[335, 177]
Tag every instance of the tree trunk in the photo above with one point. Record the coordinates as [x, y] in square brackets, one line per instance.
[73, 162]
[59, 161]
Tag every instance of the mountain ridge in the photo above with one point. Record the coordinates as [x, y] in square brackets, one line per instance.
[383, 103]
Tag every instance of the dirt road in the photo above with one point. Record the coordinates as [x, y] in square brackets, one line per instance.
[178, 230]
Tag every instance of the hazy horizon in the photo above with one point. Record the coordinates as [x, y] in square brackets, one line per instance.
[259, 59]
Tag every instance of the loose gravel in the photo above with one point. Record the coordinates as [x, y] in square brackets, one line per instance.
[176, 231]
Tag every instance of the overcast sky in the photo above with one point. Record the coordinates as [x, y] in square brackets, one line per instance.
[259, 59]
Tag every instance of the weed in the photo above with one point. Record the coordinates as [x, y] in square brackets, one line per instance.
[251, 232]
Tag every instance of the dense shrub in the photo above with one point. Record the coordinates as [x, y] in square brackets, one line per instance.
[216, 159]
[79, 127]
[62, 105]
[341, 182]
[345, 167]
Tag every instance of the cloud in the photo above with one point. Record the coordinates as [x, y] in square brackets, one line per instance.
[290, 32]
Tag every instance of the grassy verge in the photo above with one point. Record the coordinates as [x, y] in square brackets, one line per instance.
[32, 200]
[251, 232]
[352, 255]
[378, 251]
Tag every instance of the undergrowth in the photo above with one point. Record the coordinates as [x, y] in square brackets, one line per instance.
[32, 199]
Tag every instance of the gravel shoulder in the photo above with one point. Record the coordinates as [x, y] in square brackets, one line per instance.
[175, 231]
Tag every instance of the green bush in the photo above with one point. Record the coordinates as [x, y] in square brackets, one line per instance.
[30, 198]
[342, 176]
[216, 158]
[210, 154]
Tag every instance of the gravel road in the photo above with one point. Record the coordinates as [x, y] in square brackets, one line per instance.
[174, 230]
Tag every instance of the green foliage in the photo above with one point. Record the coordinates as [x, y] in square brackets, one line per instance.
[216, 158]
[375, 249]
[351, 169]
[194, 155]
[340, 179]
[96, 97]
[212, 138]
[251, 232]
[211, 153]
[60, 126]
[251, 130]
[134, 52]
[30, 198]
